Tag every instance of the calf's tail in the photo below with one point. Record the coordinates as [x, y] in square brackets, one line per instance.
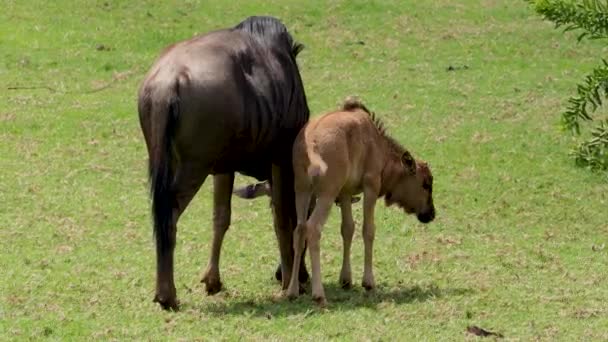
[317, 167]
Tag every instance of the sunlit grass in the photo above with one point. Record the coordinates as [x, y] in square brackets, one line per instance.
[473, 87]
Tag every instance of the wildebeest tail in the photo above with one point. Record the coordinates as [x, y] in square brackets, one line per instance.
[161, 169]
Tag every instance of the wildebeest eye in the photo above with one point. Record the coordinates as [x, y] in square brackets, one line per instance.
[427, 186]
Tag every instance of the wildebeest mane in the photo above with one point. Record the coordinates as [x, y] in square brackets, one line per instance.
[274, 92]
[269, 30]
[353, 103]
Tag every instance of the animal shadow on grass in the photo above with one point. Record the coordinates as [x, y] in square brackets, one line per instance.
[338, 298]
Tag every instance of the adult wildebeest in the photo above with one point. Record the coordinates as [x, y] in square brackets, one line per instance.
[228, 101]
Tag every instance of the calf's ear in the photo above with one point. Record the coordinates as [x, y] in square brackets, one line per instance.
[408, 162]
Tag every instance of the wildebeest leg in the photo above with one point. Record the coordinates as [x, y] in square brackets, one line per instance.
[303, 275]
[347, 230]
[165, 285]
[369, 232]
[313, 237]
[299, 240]
[222, 192]
[284, 214]
[188, 180]
[283, 210]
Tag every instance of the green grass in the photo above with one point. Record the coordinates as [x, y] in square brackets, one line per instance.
[517, 247]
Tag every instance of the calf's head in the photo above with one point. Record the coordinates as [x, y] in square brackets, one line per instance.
[413, 190]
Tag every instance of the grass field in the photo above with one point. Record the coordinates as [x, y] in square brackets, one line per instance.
[517, 247]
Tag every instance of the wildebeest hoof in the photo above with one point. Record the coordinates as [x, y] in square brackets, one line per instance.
[303, 275]
[320, 301]
[212, 285]
[346, 284]
[169, 304]
[278, 275]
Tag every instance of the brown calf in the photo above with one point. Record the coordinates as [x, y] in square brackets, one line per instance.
[336, 156]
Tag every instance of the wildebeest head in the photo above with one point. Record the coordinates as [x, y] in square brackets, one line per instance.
[413, 190]
[251, 191]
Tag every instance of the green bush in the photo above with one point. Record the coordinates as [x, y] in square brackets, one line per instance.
[590, 17]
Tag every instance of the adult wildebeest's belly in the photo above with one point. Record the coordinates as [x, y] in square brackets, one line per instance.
[253, 165]
[253, 156]
[238, 119]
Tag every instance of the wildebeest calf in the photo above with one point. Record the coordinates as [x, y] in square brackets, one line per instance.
[336, 156]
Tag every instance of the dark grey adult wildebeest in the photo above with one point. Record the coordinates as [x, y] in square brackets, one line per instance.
[227, 101]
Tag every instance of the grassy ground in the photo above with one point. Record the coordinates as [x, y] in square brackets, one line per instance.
[517, 248]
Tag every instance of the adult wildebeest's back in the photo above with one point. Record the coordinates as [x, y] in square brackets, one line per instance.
[228, 101]
[238, 89]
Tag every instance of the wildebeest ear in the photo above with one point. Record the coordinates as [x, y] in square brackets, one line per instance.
[408, 162]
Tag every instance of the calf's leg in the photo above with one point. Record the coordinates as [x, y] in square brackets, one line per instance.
[299, 239]
[314, 228]
[347, 230]
[303, 275]
[369, 232]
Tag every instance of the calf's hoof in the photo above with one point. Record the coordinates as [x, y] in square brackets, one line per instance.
[167, 303]
[368, 285]
[291, 295]
[213, 285]
[301, 290]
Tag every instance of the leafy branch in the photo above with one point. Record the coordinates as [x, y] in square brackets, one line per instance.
[590, 94]
[594, 152]
[591, 17]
